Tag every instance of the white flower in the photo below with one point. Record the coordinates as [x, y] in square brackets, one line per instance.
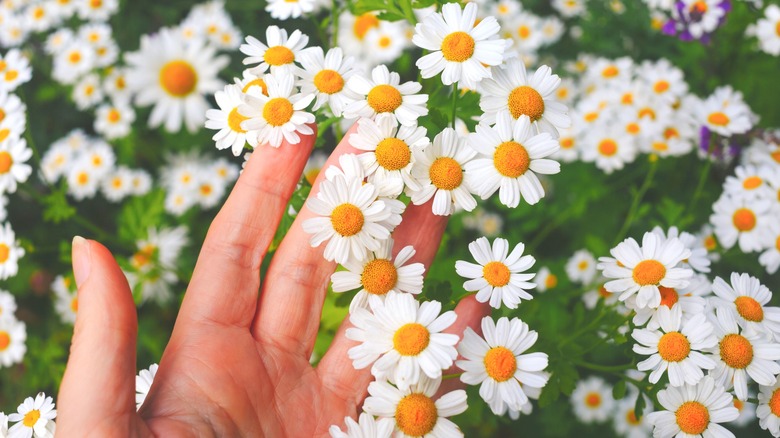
[286, 9]
[14, 154]
[280, 53]
[13, 333]
[34, 417]
[766, 30]
[748, 301]
[592, 400]
[384, 93]
[581, 267]
[96, 10]
[87, 92]
[326, 76]
[403, 339]
[626, 422]
[114, 120]
[414, 410]
[384, 44]
[676, 347]
[227, 119]
[698, 260]
[7, 304]
[768, 411]
[10, 252]
[609, 147]
[770, 259]
[498, 276]
[497, 362]
[74, 61]
[66, 301]
[16, 70]
[143, 382]
[689, 299]
[545, 279]
[694, 411]
[83, 180]
[739, 220]
[725, 111]
[365, 427]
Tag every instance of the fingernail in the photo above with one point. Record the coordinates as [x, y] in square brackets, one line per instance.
[82, 261]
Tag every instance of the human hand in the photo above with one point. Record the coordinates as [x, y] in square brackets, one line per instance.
[237, 363]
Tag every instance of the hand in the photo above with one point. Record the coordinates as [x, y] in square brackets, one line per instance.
[237, 363]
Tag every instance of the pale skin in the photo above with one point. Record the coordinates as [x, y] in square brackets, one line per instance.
[237, 362]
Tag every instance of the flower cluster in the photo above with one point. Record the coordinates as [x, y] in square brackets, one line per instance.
[33, 418]
[690, 19]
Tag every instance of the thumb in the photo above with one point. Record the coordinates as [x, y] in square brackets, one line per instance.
[99, 383]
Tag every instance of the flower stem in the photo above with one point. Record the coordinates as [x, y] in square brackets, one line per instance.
[638, 195]
[705, 172]
[451, 376]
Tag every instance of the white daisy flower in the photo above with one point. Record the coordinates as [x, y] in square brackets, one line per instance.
[114, 120]
[66, 300]
[14, 154]
[497, 362]
[403, 339]
[210, 190]
[460, 48]
[689, 299]
[498, 275]
[96, 10]
[140, 182]
[174, 75]
[278, 116]
[13, 126]
[280, 53]
[115, 85]
[512, 91]
[384, 93]
[353, 30]
[610, 148]
[604, 73]
[526, 33]
[7, 304]
[545, 279]
[766, 30]
[143, 382]
[365, 427]
[34, 417]
[152, 285]
[286, 9]
[693, 411]
[384, 44]
[741, 354]
[489, 224]
[227, 119]
[13, 333]
[581, 267]
[592, 400]
[117, 184]
[414, 409]
[58, 40]
[40, 17]
[698, 260]
[55, 161]
[438, 170]
[665, 81]
[626, 423]
[725, 112]
[750, 182]
[770, 259]
[16, 70]
[747, 412]
[70, 64]
[326, 76]
[748, 301]
[642, 270]
[676, 347]
[768, 410]
[83, 180]
[737, 220]
[10, 252]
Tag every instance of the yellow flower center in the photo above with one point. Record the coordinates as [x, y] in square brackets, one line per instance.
[347, 220]
[10, 75]
[278, 111]
[411, 339]
[116, 182]
[256, 82]
[774, 402]
[393, 154]
[699, 7]
[749, 308]
[379, 276]
[710, 244]
[692, 417]
[82, 178]
[384, 42]
[524, 100]
[6, 161]
[496, 274]
[633, 128]
[178, 78]
[74, 57]
[593, 400]
[384, 98]
[591, 116]
[607, 147]
[5, 252]
[500, 364]
[752, 182]
[661, 86]
[610, 72]
[31, 418]
[74, 304]
[143, 256]
[457, 46]
[235, 119]
[603, 292]
[363, 24]
[416, 415]
[646, 112]
[96, 3]
[736, 351]
[445, 173]
[674, 347]
[5, 340]
[739, 404]
[551, 281]
[632, 419]
[278, 55]
[671, 133]
[669, 296]
[328, 81]
[511, 159]
[744, 219]
[718, 119]
[205, 189]
[649, 272]
[38, 13]
[523, 31]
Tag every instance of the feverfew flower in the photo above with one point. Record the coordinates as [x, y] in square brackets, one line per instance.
[770, 259]
[280, 53]
[13, 333]
[625, 420]
[748, 301]
[66, 301]
[227, 119]
[592, 400]
[581, 267]
[768, 411]
[14, 169]
[384, 93]
[7, 304]
[365, 427]
[725, 112]
[16, 70]
[34, 417]
[10, 252]
[143, 382]
[326, 76]
[114, 120]
[285, 9]
[498, 276]
[766, 30]
[737, 220]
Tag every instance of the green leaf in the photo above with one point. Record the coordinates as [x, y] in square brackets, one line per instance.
[141, 213]
[56, 207]
[619, 390]
[440, 291]
[639, 406]
[550, 393]
[568, 377]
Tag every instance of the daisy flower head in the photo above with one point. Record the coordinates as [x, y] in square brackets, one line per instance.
[675, 348]
[96, 10]
[499, 276]
[279, 116]
[545, 279]
[326, 76]
[750, 182]
[403, 339]
[13, 333]
[768, 410]
[378, 275]
[497, 362]
[34, 417]
[770, 259]
[592, 400]
[114, 120]
[414, 409]
[459, 48]
[510, 156]
[748, 301]
[664, 80]
[642, 270]
[694, 410]
[438, 170]
[173, 75]
[725, 112]
[737, 220]
[74, 61]
[10, 252]
[66, 301]
[512, 91]
[7, 304]
[384, 44]
[690, 299]
[349, 217]
[16, 70]
[766, 30]
[384, 93]
[569, 8]
[388, 158]
[14, 169]
[143, 382]
[625, 420]
[280, 53]
[742, 355]
[115, 85]
[83, 180]
[365, 427]
[581, 267]
[227, 119]
[285, 9]
[698, 260]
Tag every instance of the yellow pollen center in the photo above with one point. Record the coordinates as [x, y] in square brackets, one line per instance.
[736, 351]
[116, 182]
[752, 183]
[692, 417]
[411, 339]
[347, 220]
[445, 173]
[143, 256]
[610, 72]
[591, 116]
[74, 57]
[457, 47]
[10, 75]
[511, 159]
[777, 28]
[710, 243]
[551, 281]
[178, 78]
[700, 7]
[718, 119]
[113, 115]
[649, 272]
[363, 24]
[120, 83]
[39, 13]
[671, 133]
[384, 98]
[567, 142]
[31, 418]
[603, 293]
[74, 305]
[500, 364]
[593, 400]
[647, 112]
[235, 119]
[496, 274]
[384, 42]
[631, 418]
[669, 296]
[633, 128]
[82, 178]
[739, 404]
[416, 415]
[744, 219]
[661, 86]
[777, 244]
[256, 82]
[379, 276]
[278, 111]
[774, 402]
[6, 161]
[5, 340]
[393, 154]
[5, 252]
[607, 147]
[328, 81]
[278, 55]
[627, 99]
[749, 308]
[524, 100]
[2, 114]
[524, 31]
[96, 3]
[205, 189]
[674, 347]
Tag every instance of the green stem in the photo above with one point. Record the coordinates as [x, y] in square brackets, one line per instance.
[334, 18]
[705, 172]
[451, 376]
[638, 195]
[408, 12]
[454, 104]
[585, 329]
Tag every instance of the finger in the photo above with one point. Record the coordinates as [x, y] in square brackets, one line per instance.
[100, 374]
[226, 279]
[290, 305]
[419, 228]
